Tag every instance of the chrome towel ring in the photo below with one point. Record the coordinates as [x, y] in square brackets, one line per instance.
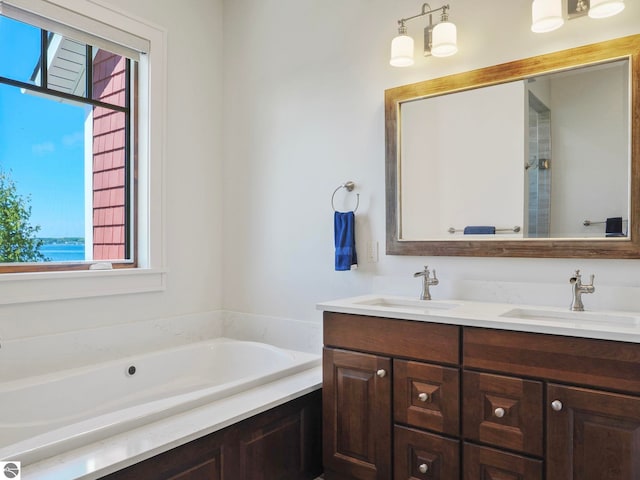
[349, 186]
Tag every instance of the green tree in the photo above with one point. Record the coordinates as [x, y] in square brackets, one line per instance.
[18, 241]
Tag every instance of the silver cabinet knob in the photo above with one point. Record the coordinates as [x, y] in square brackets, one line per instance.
[423, 397]
[381, 373]
[424, 468]
[556, 405]
[499, 412]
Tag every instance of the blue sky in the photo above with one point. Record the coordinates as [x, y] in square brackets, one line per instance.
[41, 141]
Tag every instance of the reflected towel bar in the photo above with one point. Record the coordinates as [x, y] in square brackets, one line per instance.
[588, 223]
[515, 229]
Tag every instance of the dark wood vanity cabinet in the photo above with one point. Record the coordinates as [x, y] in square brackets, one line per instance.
[466, 403]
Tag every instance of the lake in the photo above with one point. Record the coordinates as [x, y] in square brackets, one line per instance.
[62, 252]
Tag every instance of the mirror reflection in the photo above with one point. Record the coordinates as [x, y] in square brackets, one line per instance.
[544, 157]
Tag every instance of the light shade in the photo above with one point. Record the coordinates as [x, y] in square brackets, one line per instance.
[546, 15]
[401, 51]
[605, 8]
[444, 40]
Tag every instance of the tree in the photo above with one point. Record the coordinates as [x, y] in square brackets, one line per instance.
[18, 241]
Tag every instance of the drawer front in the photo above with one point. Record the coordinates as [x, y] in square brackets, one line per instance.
[579, 361]
[488, 464]
[503, 411]
[425, 456]
[427, 396]
[431, 342]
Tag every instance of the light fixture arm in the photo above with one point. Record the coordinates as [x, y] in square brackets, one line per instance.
[424, 12]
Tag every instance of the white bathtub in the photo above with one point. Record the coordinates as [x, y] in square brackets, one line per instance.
[47, 415]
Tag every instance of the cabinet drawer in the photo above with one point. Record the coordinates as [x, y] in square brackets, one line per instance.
[426, 396]
[425, 456]
[431, 342]
[579, 361]
[487, 463]
[503, 411]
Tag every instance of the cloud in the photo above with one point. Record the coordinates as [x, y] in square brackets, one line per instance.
[43, 148]
[73, 139]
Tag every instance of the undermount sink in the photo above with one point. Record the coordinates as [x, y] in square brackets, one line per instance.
[572, 317]
[407, 304]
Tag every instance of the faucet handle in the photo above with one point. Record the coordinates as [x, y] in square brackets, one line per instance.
[424, 273]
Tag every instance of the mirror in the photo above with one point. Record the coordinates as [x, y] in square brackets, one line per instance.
[533, 158]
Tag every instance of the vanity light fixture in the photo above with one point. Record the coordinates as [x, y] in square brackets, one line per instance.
[546, 15]
[440, 40]
[605, 8]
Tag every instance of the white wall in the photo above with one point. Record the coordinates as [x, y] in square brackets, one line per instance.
[192, 183]
[304, 83]
[296, 96]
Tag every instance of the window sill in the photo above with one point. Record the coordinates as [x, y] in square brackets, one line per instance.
[47, 286]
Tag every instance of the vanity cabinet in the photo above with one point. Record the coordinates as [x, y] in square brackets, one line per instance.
[467, 403]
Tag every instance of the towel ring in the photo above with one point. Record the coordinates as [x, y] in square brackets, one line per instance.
[349, 186]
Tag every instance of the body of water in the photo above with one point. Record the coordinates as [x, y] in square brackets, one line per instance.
[63, 252]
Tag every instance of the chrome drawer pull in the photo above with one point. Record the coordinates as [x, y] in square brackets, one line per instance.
[424, 468]
[381, 373]
[556, 405]
[499, 412]
[423, 397]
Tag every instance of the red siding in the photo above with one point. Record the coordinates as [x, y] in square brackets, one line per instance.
[108, 158]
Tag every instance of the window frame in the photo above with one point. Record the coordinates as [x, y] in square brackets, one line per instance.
[146, 270]
[130, 260]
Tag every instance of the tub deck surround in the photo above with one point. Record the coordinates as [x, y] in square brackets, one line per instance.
[116, 417]
[605, 325]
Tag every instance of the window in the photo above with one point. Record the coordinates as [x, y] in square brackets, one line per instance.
[80, 153]
[66, 164]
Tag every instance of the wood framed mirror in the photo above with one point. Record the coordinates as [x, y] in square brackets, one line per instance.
[553, 171]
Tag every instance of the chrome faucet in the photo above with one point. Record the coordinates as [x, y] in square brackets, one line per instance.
[427, 281]
[578, 289]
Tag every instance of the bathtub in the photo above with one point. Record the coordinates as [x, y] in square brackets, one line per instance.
[47, 415]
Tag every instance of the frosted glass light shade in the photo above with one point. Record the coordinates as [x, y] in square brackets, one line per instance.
[605, 8]
[546, 15]
[401, 51]
[444, 40]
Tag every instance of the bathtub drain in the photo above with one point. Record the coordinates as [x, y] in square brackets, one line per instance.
[131, 370]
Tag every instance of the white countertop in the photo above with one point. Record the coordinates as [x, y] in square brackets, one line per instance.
[115, 453]
[607, 325]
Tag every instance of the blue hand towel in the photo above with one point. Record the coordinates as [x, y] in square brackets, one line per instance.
[479, 230]
[345, 240]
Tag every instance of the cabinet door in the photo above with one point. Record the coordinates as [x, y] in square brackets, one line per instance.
[426, 396]
[356, 415]
[482, 463]
[424, 456]
[503, 411]
[208, 457]
[282, 444]
[592, 435]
